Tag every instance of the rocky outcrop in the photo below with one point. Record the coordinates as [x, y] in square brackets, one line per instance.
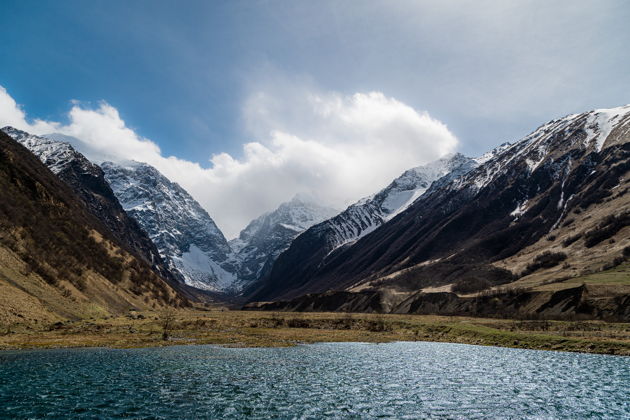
[580, 302]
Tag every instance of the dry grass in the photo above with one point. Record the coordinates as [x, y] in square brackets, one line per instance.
[263, 329]
[26, 298]
[580, 258]
[617, 278]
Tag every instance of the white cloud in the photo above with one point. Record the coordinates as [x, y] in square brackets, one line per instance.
[12, 114]
[333, 147]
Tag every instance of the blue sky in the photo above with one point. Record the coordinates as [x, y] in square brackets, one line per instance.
[204, 78]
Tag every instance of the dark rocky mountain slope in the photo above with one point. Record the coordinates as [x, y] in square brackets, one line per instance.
[552, 207]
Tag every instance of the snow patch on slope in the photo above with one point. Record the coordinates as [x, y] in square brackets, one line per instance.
[202, 272]
[601, 122]
[519, 210]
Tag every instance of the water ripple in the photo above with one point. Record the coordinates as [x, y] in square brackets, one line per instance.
[341, 380]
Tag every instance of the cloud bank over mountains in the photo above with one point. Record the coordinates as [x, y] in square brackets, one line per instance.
[333, 147]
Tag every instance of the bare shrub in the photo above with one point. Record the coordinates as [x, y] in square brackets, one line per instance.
[569, 240]
[470, 285]
[606, 229]
[166, 320]
[547, 259]
[379, 325]
[298, 323]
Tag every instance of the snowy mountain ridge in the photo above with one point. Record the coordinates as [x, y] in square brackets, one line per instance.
[265, 237]
[549, 192]
[371, 212]
[193, 246]
[586, 131]
[56, 155]
[186, 236]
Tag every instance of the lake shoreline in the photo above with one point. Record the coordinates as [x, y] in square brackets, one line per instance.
[285, 329]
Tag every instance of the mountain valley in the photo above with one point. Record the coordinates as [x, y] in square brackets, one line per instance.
[510, 233]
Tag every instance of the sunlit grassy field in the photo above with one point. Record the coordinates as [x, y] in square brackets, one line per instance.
[281, 329]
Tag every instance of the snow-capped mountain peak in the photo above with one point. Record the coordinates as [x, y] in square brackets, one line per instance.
[54, 154]
[589, 132]
[406, 189]
[94, 154]
[369, 213]
[265, 237]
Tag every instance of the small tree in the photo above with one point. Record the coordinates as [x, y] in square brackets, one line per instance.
[167, 318]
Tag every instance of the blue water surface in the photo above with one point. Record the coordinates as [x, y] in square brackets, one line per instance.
[330, 380]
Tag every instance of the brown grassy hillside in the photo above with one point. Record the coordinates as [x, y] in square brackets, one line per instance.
[57, 260]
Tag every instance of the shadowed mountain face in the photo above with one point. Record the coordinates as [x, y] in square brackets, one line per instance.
[57, 260]
[88, 182]
[477, 226]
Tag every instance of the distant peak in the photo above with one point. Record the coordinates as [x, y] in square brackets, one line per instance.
[12, 129]
[302, 198]
[16, 133]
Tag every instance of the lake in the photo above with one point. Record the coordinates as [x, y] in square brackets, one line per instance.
[334, 380]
